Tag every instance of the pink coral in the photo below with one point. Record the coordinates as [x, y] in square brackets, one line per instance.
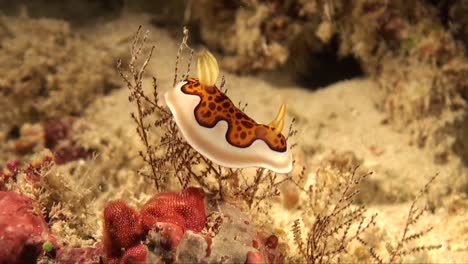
[23, 230]
[135, 255]
[169, 214]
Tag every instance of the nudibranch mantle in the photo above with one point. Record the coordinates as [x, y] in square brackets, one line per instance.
[217, 129]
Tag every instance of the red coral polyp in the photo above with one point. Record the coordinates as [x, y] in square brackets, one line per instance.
[122, 229]
[135, 255]
[186, 210]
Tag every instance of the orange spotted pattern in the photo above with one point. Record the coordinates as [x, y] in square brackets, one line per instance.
[242, 130]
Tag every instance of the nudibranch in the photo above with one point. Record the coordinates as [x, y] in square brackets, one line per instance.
[211, 123]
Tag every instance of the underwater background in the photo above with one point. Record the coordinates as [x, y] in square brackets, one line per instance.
[94, 169]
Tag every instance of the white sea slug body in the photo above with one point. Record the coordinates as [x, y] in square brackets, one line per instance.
[217, 129]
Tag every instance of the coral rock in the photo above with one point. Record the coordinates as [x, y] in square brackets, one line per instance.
[23, 230]
[162, 241]
[192, 248]
[171, 235]
[235, 241]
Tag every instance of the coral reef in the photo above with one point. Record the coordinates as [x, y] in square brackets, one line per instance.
[331, 228]
[406, 47]
[167, 228]
[419, 67]
[257, 37]
[146, 196]
[45, 71]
